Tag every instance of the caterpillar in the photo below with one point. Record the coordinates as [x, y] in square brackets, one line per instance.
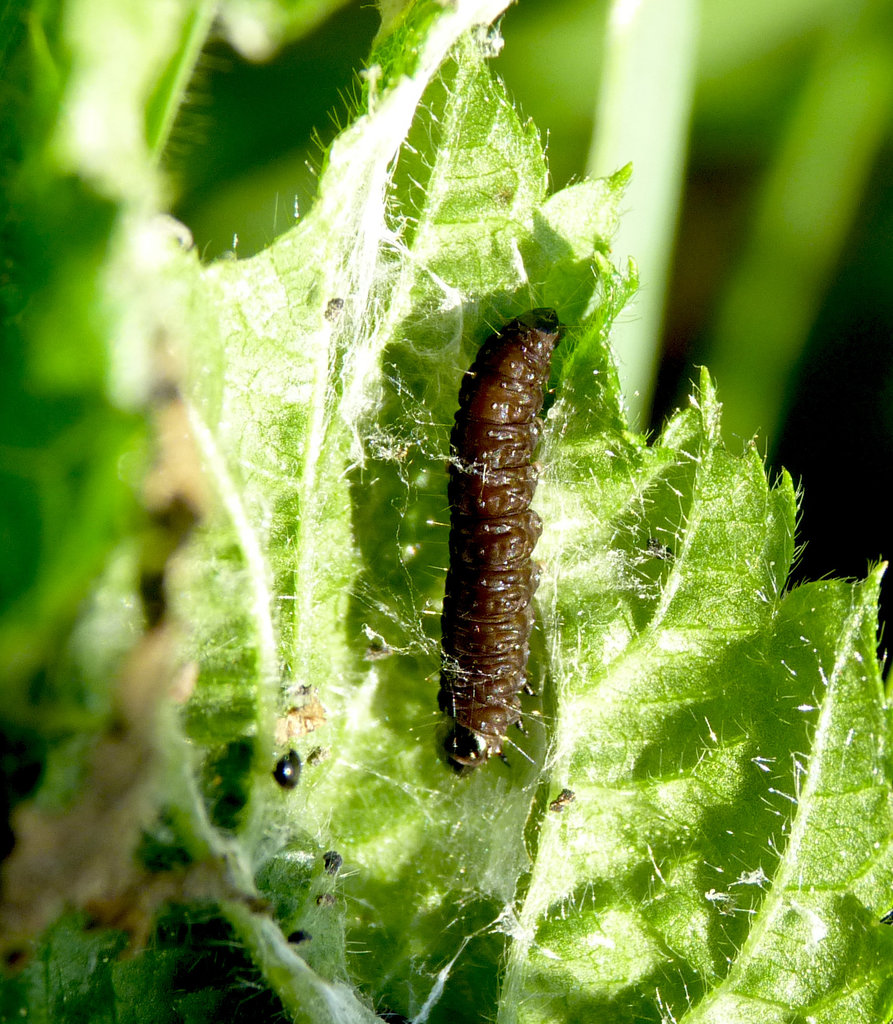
[487, 606]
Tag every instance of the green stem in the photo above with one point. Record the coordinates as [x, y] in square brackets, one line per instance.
[643, 112]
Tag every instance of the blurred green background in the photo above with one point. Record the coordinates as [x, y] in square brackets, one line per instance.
[761, 141]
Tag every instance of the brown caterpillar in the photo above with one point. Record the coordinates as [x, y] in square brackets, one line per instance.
[487, 611]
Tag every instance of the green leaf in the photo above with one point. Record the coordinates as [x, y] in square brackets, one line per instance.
[725, 854]
[725, 857]
[258, 27]
[331, 469]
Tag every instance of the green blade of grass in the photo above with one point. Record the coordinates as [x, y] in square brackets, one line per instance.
[642, 116]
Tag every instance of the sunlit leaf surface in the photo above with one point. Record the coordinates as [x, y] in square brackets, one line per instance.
[695, 825]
